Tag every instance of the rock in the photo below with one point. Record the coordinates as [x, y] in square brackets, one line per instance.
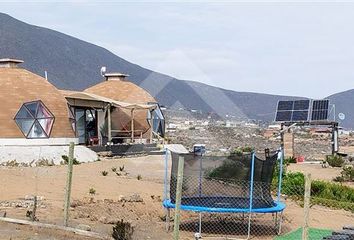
[108, 201]
[76, 203]
[103, 220]
[84, 227]
[93, 218]
[29, 197]
[135, 198]
[121, 198]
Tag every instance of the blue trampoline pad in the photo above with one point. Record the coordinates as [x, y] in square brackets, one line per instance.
[226, 205]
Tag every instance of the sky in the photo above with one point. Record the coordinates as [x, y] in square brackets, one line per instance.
[287, 48]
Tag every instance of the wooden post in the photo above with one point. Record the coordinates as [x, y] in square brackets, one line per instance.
[132, 124]
[33, 217]
[109, 124]
[151, 127]
[307, 198]
[68, 183]
[178, 198]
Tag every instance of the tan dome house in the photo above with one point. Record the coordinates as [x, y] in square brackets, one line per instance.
[33, 113]
[127, 123]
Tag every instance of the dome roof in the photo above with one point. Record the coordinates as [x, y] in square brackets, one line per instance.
[118, 88]
[19, 86]
[121, 90]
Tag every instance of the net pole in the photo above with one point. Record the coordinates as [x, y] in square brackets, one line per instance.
[166, 173]
[251, 196]
[200, 175]
[200, 192]
[178, 198]
[165, 190]
[280, 178]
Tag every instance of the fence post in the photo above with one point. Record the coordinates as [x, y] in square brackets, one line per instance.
[68, 183]
[307, 198]
[178, 198]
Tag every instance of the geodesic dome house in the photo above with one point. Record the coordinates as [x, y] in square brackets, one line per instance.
[127, 122]
[34, 117]
[31, 108]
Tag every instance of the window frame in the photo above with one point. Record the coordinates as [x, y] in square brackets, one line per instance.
[35, 118]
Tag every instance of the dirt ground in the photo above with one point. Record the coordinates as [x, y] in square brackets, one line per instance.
[103, 208]
[317, 171]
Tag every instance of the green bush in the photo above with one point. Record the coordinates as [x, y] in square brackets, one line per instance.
[239, 151]
[334, 160]
[323, 193]
[290, 160]
[348, 173]
[228, 170]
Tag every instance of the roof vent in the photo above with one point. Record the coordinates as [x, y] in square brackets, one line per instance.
[9, 63]
[115, 76]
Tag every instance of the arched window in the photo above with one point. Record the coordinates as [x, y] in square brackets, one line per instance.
[35, 120]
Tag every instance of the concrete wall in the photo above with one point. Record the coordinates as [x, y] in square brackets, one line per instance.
[33, 154]
[37, 142]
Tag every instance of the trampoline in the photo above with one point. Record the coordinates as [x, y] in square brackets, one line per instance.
[225, 184]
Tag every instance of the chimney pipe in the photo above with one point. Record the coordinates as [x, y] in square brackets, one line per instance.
[9, 63]
[115, 76]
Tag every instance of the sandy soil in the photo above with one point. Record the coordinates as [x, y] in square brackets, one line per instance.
[103, 208]
[318, 172]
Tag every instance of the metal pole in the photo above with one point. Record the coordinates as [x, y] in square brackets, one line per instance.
[68, 184]
[280, 178]
[251, 196]
[132, 124]
[166, 174]
[165, 197]
[307, 198]
[178, 198]
[109, 124]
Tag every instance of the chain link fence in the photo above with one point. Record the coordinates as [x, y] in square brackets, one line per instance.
[230, 214]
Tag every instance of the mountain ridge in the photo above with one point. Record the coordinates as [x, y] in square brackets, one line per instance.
[74, 64]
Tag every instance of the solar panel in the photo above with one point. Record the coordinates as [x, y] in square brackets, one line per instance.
[283, 116]
[293, 111]
[302, 105]
[320, 110]
[285, 105]
[300, 116]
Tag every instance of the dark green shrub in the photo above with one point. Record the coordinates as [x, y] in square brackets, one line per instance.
[348, 173]
[323, 193]
[228, 170]
[66, 160]
[122, 231]
[334, 160]
[104, 173]
[239, 151]
[294, 184]
[289, 160]
[92, 191]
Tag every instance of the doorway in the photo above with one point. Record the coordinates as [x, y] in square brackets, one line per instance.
[86, 125]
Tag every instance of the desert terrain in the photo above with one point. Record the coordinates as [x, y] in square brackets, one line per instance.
[143, 182]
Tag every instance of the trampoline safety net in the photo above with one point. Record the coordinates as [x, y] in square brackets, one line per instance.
[224, 181]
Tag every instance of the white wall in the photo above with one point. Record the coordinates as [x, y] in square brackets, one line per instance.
[32, 154]
[37, 142]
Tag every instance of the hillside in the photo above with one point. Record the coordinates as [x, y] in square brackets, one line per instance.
[74, 64]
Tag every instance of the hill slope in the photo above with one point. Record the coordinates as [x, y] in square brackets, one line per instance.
[74, 64]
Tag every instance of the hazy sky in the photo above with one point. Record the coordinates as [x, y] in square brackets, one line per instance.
[284, 48]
